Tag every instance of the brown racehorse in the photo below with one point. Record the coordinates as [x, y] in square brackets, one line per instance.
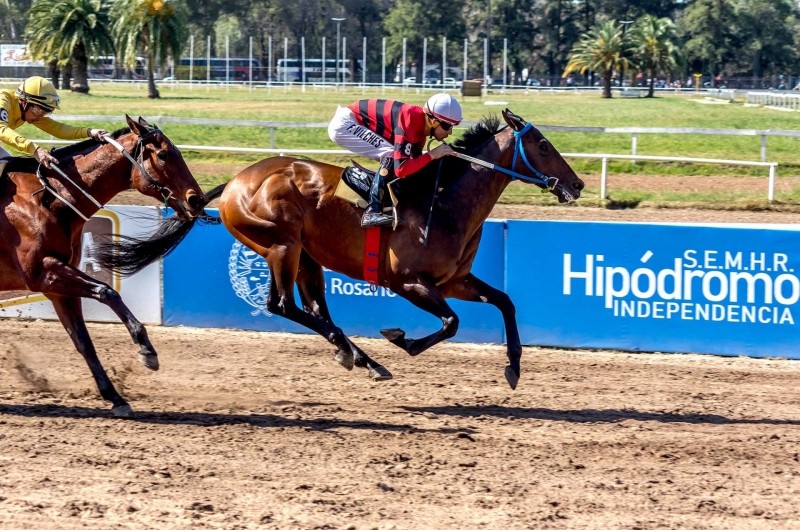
[40, 236]
[285, 210]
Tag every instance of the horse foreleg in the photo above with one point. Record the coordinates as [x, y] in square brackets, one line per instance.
[427, 297]
[60, 279]
[70, 312]
[472, 289]
[311, 285]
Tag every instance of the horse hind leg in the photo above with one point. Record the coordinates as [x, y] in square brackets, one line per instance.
[311, 285]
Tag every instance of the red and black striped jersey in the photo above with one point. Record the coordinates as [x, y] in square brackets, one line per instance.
[401, 124]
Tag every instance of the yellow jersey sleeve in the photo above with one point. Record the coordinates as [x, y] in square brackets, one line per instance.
[61, 130]
[10, 120]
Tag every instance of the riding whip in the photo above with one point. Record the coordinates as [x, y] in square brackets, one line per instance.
[433, 201]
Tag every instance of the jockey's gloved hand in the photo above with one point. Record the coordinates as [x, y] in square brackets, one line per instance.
[98, 134]
[44, 157]
[440, 151]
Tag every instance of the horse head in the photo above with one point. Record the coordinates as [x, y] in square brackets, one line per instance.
[166, 176]
[534, 154]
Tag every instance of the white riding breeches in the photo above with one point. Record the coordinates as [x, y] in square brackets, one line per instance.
[345, 131]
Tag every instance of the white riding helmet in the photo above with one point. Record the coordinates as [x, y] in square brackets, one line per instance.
[444, 107]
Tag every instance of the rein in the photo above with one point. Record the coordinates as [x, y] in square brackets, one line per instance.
[539, 178]
[47, 187]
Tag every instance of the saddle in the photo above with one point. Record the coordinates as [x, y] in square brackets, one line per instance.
[354, 188]
[354, 185]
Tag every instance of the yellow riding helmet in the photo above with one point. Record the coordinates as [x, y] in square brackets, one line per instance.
[39, 91]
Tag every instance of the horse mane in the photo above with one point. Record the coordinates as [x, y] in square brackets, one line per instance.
[418, 188]
[86, 146]
[28, 164]
[478, 134]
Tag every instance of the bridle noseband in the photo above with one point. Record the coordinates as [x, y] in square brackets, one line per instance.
[549, 183]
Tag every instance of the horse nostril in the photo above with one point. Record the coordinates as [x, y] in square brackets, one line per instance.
[578, 185]
[195, 201]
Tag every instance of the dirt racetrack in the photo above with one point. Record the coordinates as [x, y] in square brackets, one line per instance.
[253, 430]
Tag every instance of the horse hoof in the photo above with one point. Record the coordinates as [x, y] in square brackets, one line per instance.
[149, 360]
[380, 374]
[345, 358]
[512, 378]
[122, 411]
[394, 335]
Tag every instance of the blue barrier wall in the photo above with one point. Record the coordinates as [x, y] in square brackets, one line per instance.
[672, 288]
[211, 280]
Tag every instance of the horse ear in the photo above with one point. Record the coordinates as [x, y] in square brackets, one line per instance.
[134, 126]
[144, 123]
[513, 121]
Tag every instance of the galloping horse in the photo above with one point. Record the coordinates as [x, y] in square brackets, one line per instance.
[40, 233]
[285, 210]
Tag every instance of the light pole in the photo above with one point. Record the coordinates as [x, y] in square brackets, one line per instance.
[338, 22]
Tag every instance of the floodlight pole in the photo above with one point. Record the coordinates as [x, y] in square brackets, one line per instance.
[191, 60]
[338, 22]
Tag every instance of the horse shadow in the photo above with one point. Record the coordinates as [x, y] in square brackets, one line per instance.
[593, 415]
[210, 419]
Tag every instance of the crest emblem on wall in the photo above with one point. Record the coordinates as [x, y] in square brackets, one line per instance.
[250, 278]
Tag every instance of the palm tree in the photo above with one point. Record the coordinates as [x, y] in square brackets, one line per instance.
[156, 26]
[655, 42]
[603, 49]
[69, 31]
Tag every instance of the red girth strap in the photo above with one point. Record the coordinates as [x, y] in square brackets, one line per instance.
[371, 252]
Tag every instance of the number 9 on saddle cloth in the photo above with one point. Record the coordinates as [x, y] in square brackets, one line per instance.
[354, 187]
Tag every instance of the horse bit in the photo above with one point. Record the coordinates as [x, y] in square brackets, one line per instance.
[165, 192]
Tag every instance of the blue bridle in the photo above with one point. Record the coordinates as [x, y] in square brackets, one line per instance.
[539, 178]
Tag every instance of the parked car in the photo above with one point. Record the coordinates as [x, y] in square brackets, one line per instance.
[533, 82]
[449, 82]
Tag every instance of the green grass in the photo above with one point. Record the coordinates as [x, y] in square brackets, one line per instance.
[577, 109]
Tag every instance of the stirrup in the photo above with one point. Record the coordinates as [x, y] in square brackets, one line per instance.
[368, 220]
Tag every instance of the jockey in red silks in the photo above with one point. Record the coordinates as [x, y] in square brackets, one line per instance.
[394, 133]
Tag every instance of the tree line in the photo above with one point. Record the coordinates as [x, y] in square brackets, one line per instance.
[547, 37]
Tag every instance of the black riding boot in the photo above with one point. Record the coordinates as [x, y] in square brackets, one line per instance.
[373, 215]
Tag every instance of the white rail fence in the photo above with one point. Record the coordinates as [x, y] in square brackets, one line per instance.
[604, 157]
[633, 131]
[721, 93]
[351, 86]
[776, 100]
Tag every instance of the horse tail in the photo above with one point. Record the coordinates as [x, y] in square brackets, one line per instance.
[215, 193]
[129, 255]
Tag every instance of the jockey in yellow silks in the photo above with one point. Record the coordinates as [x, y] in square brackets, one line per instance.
[32, 102]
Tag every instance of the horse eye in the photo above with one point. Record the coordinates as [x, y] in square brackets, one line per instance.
[543, 148]
[162, 155]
